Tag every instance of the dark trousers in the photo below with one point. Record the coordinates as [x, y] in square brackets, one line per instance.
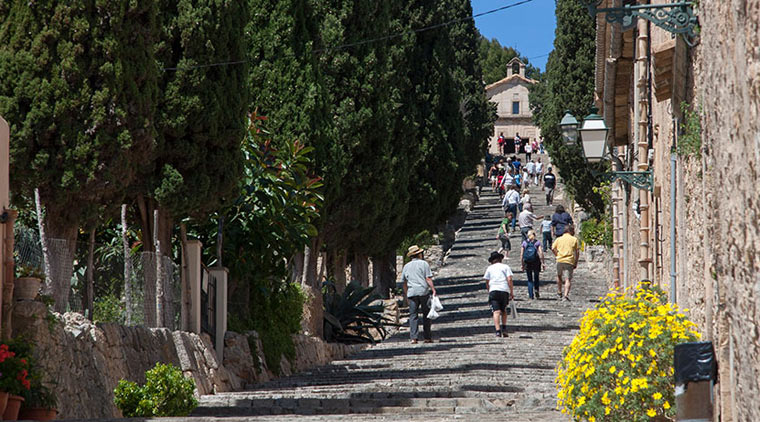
[417, 304]
[547, 241]
[532, 280]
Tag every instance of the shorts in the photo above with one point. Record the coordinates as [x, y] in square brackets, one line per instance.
[505, 242]
[498, 300]
[565, 270]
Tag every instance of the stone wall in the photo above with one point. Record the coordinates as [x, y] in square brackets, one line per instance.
[729, 92]
[85, 361]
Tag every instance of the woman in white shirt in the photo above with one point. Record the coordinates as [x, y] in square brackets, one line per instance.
[498, 279]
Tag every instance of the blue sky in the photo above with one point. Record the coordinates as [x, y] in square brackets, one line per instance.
[528, 28]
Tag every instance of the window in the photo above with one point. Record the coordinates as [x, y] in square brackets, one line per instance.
[515, 107]
[515, 68]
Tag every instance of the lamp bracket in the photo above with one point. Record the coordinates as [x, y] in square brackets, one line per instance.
[637, 179]
[676, 18]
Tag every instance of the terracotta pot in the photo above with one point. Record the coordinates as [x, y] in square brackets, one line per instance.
[37, 414]
[26, 288]
[11, 410]
[3, 401]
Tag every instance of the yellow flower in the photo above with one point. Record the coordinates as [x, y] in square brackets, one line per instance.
[612, 369]
[651, 413]
[591, 419]
[666, 405]
[607, 411]
[657, 396]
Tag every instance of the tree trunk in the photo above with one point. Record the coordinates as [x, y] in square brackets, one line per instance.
[360, 269]
[61, 242]
[127, 266]
[296, 267]
[150, 262]
[184, 317]
[89, 290]
[159, 273]
[337, 268]
[384, 274]
[43, 242]
[312, 322]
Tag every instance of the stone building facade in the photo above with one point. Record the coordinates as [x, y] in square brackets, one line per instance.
[698, 229]
[512, 108]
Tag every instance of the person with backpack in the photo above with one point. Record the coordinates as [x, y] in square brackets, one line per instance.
[532, 258]
[498, 278]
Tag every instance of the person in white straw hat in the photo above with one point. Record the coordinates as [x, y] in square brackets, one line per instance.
[418, 284]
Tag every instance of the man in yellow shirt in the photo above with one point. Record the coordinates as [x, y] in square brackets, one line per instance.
[566, 249]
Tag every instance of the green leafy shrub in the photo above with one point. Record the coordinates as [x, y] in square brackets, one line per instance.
[620, 365]
[423, 239]
[350, 316]
[108, 308]
[276, 317]
[166, 393]
[596, 232]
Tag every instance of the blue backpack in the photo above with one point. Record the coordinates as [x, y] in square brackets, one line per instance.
[530, 254]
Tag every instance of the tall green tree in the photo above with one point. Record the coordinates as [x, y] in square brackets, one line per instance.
[201, 113]
[568, 84]
[284, 77]
[78, 87]
[453, 114]
[359, 173]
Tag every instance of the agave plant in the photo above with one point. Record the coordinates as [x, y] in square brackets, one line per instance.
[350, 316]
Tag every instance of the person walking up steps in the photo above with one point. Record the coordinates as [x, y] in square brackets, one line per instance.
[566, 249]
[527, 219]
[503, 235]
[550, 181]
[509, 203]
[418, 283]
[546, 232]
[532, 258]
[560, 220]
[498, 279]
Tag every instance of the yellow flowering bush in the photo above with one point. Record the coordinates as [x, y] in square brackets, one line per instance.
[620, 365]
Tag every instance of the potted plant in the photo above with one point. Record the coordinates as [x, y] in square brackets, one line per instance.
[28, 282]
[40, 403]
[14, 373]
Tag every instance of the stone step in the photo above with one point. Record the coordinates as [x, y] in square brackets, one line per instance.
[470, 405]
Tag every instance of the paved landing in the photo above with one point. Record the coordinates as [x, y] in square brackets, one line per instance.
[467, 373]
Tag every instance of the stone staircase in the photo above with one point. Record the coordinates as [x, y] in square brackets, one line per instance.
[466, 371]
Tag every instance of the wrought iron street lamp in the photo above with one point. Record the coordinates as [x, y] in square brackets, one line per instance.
[569, 128]
[676, 17]
[593, 136]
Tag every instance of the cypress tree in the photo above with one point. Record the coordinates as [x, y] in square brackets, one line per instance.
[200, 117]
[568, 84]
[359, 173]
[78, 87]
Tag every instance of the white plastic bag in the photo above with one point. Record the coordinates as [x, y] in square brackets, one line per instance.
[435, 306]
[513, 309]
[432, 314]
[435, 303]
